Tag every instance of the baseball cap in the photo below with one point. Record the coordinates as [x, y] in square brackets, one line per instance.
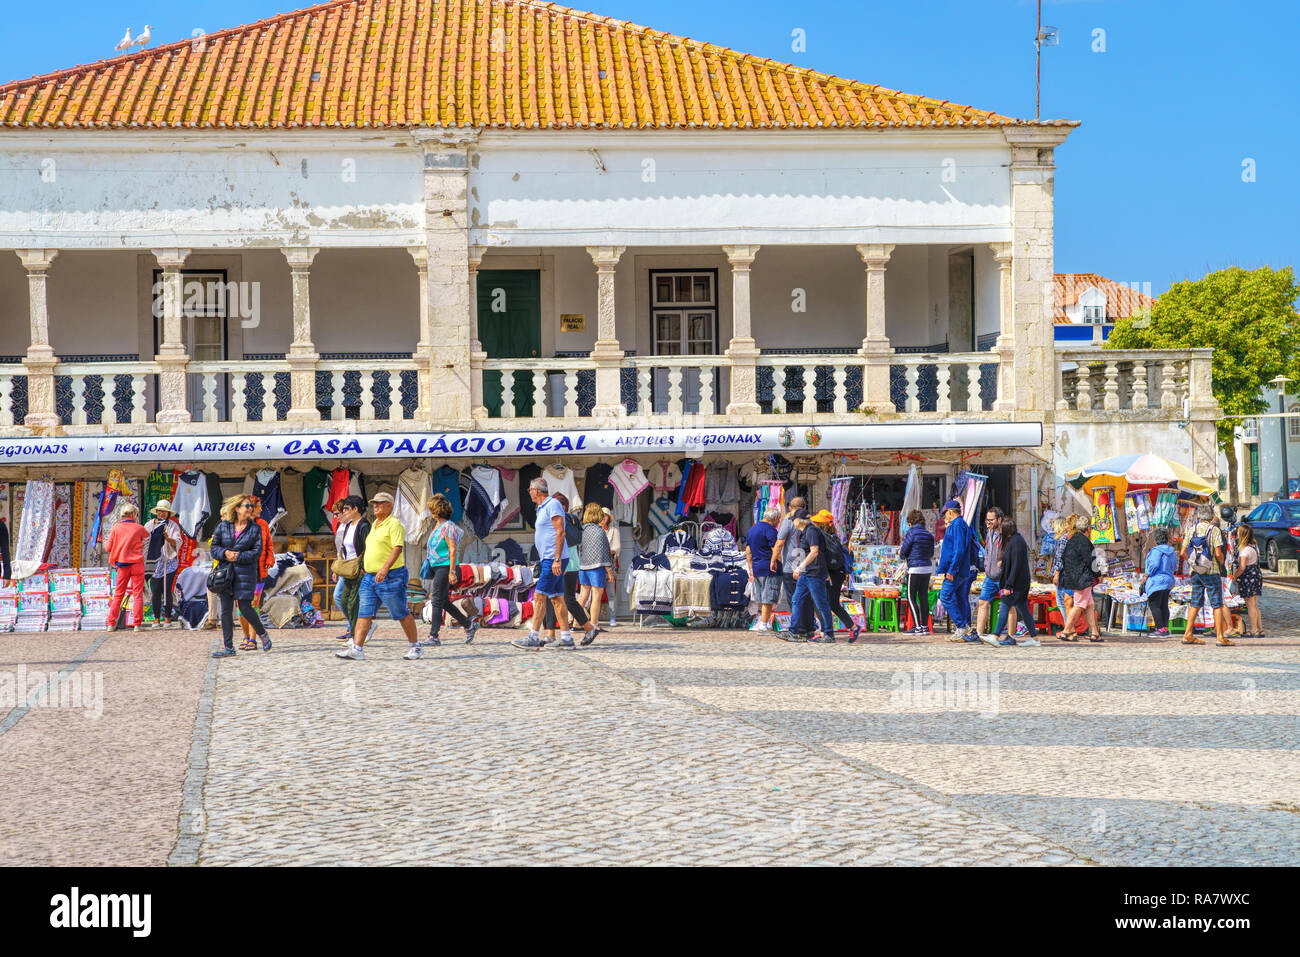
[952, 505]
[382, 497]
[800, 513]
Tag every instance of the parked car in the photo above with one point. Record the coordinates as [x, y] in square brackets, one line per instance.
[1277, 530]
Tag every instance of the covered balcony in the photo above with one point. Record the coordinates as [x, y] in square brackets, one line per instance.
[261, 340]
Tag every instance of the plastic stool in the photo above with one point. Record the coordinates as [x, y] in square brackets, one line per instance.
[1041, 608]
[884, 614]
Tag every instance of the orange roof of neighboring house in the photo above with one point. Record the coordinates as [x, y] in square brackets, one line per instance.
[1121, 301]
[518, 64]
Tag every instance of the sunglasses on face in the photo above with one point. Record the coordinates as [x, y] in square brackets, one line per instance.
[247, 505]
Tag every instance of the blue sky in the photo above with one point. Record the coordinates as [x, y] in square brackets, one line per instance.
[1149, 189]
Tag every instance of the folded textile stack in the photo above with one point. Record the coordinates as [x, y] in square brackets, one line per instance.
[33, 603]
[65, 599]
[8, 604]
[96, 596]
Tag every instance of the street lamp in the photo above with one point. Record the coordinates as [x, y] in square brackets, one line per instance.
[1281, 383]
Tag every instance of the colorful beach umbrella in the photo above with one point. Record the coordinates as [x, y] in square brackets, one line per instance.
[1142, 471]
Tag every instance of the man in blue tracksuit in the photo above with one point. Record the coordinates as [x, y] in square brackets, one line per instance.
[955, 567]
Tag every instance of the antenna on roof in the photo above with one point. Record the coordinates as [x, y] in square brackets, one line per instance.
[1045, 37]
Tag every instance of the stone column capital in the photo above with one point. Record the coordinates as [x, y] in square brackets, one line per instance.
[476, 257]
[36, 260]
[606, 257]
[300, 257]
[876, 255]
[1001, 254]
[171, 259]
[740, 257]
[420, 254]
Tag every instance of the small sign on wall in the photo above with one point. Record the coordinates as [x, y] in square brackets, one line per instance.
[573, 322]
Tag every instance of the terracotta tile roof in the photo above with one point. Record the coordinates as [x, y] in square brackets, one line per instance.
[1121, 301]
[518, 64]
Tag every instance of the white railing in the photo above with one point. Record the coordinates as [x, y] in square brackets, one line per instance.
[103, 393]
[537, 388]
[679, 385]
[946, 382]
[801, 387]
[1136, 380]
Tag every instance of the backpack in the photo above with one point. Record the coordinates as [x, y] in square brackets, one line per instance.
[834, 553]
[572, 531]
[1198, 552]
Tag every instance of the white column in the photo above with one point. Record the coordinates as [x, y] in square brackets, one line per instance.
[40, 359]
[302, 355]
[447, 227]
[476, 354]
[607, 353]
[876, 349]
[420, 255]
[1032, 174]
[742, 350]
[1006, 345]
[173, 405]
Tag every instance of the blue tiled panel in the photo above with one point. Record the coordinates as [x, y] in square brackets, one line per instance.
[627, 388]
[122, 397]
[853, 387]
[410, 396]
[986, 342]
[94, 399]
[586, 391]
[927, 387]
[282, 394]
[256, 395]
[63, 398]
[19, 397]
[988, 384]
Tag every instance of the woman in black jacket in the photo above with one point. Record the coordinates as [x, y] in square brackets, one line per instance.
[1015, 586]
[1077, 576]
[238, 542]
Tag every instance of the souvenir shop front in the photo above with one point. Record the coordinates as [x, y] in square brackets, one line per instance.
[687, 491]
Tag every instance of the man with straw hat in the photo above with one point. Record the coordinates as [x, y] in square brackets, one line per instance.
[164, 551]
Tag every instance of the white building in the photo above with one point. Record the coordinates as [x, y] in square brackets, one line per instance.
[540, 220]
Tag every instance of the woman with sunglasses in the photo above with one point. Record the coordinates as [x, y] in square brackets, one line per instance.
[238, 541]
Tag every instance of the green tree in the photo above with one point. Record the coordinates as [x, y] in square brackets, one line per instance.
[1248, 317]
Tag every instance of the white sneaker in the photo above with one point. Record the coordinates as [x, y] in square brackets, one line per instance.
[351, 651]
[414, 652]
[990, 640]
[1029, 643]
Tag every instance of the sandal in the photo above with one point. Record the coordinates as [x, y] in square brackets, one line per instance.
[266, 642]
[248, 644]
[1193, 641]
[1062, 636]
[1225, 642]
[1095, 638]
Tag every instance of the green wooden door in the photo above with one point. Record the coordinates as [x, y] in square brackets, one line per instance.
[509, 327]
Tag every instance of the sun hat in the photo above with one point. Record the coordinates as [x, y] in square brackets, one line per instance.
[164, 505]
[823, 518]
[382, 497]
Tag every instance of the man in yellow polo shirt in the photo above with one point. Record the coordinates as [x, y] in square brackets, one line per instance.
[384, 565]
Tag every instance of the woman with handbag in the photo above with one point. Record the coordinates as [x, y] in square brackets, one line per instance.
[1079, 575]
[349, 545]
[237, 548]
[441, 570]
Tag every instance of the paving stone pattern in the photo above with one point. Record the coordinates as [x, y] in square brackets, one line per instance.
[661, 746]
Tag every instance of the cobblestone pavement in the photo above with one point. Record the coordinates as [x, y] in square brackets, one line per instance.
[94, 777]
[660, 746]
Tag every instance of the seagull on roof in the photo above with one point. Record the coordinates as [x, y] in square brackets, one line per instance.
[125, 42]
[142, 40]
